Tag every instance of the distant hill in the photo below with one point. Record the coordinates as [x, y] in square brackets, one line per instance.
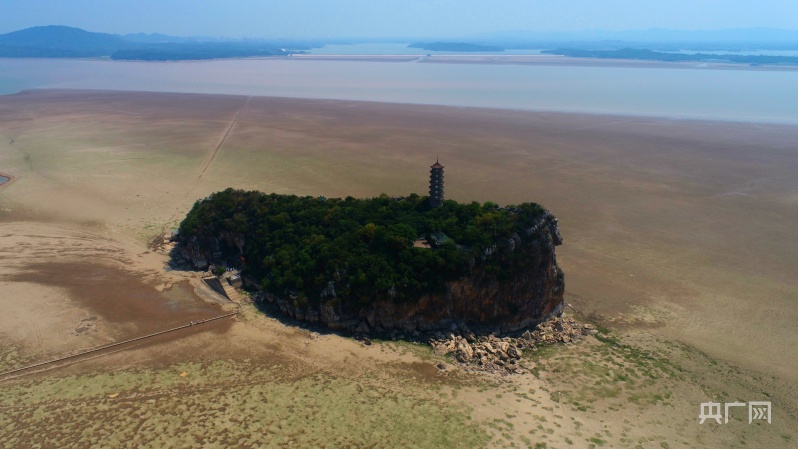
[67, 42]
[59, 42]
[649, 55]
[192, 51]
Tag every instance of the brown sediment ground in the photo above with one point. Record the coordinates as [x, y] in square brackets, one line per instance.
[66, 290]
[680, 239]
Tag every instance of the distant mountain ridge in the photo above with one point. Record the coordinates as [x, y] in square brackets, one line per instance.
[56, 41]
[59, 41]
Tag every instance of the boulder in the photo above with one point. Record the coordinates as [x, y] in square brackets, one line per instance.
[527, 335]
[503, 346]
[465, 350]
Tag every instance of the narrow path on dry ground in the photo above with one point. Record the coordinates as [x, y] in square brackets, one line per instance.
[18, 371]
[211, 159]
[219, 146]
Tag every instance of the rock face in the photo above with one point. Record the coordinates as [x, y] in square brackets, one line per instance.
[528, 292]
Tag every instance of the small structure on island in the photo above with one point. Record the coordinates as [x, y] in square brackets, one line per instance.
[436, 184]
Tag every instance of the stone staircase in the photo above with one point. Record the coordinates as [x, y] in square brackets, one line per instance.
[223, 288]
[231, 292]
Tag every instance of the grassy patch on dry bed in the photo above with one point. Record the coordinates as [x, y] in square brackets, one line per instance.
[10, 358]
[613, 390]
[228, 404]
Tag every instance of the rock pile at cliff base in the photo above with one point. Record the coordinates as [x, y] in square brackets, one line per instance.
[492, 353]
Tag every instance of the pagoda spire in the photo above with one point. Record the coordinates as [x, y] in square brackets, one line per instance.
[436, 184]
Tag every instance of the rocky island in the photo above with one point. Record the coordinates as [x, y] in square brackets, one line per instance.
[384, 264]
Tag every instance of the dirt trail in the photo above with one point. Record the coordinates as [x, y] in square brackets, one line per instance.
[211, 158]
[219, 146]
[28, 368]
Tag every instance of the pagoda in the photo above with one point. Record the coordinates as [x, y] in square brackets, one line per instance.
[436, 184]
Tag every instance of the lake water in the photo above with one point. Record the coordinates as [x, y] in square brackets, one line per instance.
[699, 92]
[402, 49]
[3, 180]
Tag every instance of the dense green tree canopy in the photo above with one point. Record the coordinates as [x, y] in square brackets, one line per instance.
[298, 245]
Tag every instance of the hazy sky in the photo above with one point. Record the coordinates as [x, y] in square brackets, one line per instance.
[391, 18]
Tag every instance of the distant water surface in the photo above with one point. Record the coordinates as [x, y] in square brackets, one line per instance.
[738, 95]
[403, 49]
[3, 179]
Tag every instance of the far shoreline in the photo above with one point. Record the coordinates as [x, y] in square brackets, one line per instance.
[539, 60]
[459, 58]
[539, 112]
[526, 83]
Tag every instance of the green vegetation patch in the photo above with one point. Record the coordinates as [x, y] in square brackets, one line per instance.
[229, 404]
[298, 246]
[10, 358]
[612, 372]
